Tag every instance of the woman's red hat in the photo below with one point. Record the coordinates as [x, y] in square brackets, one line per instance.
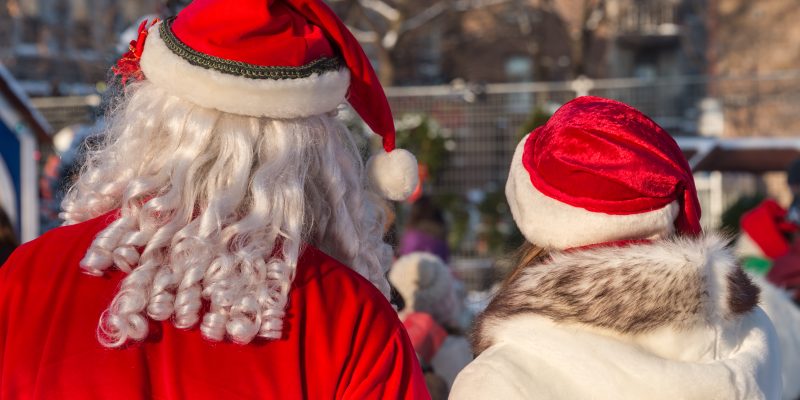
[600, 171]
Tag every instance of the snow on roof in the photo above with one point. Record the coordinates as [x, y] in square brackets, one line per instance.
[751, 154]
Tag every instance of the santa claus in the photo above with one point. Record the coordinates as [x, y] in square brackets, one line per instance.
[222, 241]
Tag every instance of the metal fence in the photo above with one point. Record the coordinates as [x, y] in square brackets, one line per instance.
[483, 124]
[486, 121]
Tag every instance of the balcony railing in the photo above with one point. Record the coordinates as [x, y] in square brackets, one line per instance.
[648, 18]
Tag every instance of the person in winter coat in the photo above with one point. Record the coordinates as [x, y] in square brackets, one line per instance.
[221, 242]
[426, 230]
[764, 238]
[768, 233]
[434, 315]
[617, 294]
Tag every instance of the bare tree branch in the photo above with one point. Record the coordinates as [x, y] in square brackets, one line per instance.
[464, 5]
[382, 8]
[386, 23]
[390, 39]
[424, 17]
[363, 36]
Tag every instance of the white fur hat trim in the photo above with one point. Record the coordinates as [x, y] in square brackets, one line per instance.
[273, 98]
[550, 223]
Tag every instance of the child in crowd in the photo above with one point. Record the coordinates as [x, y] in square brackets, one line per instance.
[434, 316]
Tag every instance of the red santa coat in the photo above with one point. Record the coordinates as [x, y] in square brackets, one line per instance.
[342, 339]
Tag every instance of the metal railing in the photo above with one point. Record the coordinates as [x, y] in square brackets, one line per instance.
[648, 17]
[484, 123]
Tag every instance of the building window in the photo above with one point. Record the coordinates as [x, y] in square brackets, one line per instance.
[519, 69]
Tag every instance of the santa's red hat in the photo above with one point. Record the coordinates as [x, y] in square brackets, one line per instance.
[600, 171]
[277, 59]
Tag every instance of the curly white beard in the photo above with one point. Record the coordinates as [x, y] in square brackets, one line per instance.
[220, 206]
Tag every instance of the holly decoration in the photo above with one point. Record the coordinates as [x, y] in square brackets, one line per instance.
[128, 68]
[429, 142]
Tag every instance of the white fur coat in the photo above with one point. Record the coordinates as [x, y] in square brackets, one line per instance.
[785, 317]
[671, 319]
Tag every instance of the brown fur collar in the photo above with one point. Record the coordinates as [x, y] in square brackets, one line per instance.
[631, 290]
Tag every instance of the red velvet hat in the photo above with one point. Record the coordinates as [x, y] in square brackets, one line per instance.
[276, 59]
[600, 171]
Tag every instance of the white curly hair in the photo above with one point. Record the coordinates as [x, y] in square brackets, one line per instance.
[214, 211]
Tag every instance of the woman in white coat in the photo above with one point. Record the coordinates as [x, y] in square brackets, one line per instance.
[618, 294]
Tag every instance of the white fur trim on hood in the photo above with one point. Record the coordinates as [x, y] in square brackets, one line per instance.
[273, 98]
[671, 319]
[549, 223]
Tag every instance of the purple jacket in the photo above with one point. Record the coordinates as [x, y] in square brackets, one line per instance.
[416, 240]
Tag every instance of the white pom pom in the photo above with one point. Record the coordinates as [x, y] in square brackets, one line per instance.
[393, 175]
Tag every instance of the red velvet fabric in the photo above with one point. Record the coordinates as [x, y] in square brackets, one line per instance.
[259, 32]
[605, 156]
[366, 93]
[287, 33]
[343, 339]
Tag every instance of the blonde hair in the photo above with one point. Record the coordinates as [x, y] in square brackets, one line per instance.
[216, 208]
[526, 255]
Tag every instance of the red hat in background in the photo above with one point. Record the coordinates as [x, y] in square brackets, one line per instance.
[600, 171]
[277, 59]
[766, 226]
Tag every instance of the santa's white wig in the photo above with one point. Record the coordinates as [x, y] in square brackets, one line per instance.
[215, 208]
